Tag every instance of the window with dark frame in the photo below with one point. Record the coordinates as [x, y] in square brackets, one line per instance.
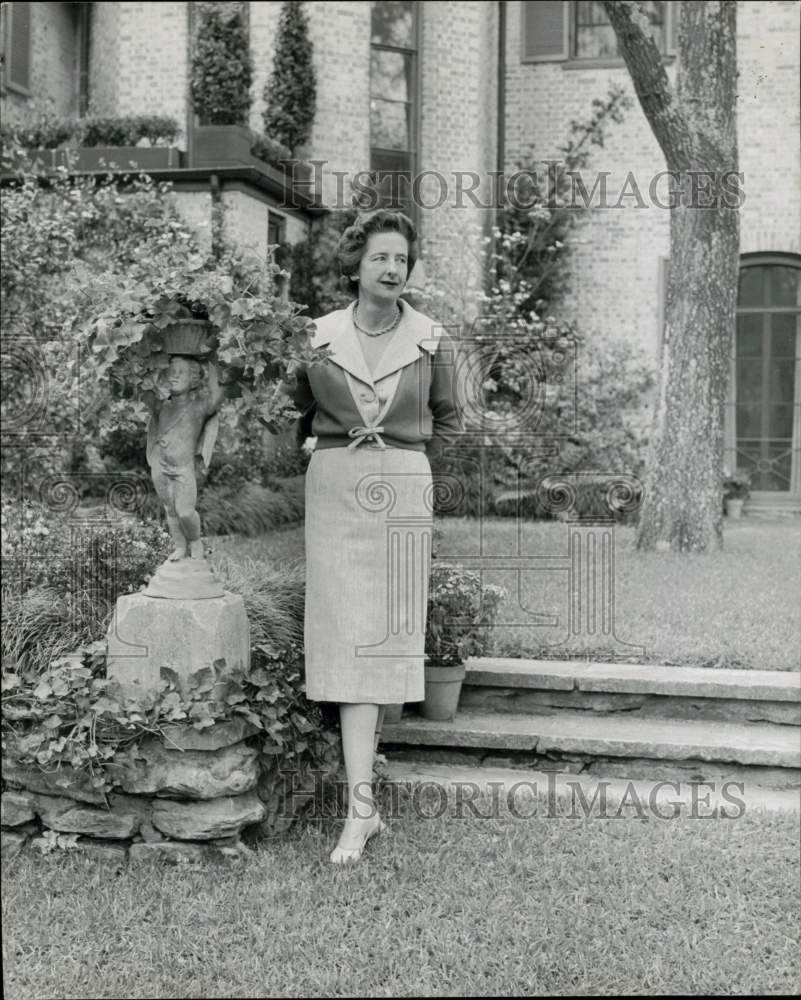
[578, 32]
[766, 397]
[84, 21]
[17, 47]
[594, 37]
[275, 229]
[393, 100]
[276, 236]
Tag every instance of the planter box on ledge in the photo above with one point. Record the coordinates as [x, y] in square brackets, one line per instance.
[231, 145]
[121, 158]
[222, 146]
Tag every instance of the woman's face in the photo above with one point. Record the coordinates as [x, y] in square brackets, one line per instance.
[384, 267]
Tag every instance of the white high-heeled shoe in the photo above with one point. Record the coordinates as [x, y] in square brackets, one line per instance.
[350, 855]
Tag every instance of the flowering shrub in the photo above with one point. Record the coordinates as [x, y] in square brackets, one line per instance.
[47, 131]
[737, 484]
[42, 547]
[270, 150]
[256, 335]
[62, 576]
[529, 369]
[42, 130]
[461, 613]
[519, 270]
[126, 130]
[54, 239]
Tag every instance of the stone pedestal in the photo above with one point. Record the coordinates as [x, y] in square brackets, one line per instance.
[148, 633]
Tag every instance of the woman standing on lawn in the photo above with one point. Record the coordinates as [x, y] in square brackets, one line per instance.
[381, 403]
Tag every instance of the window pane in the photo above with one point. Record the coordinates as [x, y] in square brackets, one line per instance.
[785, 286]
[389, 75]
[749, 381]
[389, 125]
[589, 12]
[656, 13]
[393, 24]
[391, 162]
[768, 463]
[749, 421]
[594, 36]
[749, 335]
[393, 179]
[783, 327]
[596, 43]
[19, 58]
[780, 421]
[752, 287]
[782, 379]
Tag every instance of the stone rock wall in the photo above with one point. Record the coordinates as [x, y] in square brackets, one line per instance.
[190, 798]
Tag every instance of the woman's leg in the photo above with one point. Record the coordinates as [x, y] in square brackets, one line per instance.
[358, 724]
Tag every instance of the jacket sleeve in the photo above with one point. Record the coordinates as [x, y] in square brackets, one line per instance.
[443, 398]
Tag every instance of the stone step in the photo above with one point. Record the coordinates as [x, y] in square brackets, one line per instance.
[567, 732]
[769, 508]
[648, 690]
[635, 678]
[654, 798]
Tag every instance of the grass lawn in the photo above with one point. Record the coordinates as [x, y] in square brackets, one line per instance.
[442, 906]
[455, 904]
[735, 608]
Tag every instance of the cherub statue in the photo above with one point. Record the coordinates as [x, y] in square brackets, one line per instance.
[182, 427]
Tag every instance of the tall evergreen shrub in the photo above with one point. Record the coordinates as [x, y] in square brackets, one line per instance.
[222, 69]
[291, 92]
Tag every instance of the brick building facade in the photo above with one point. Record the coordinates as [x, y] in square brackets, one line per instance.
[475, 85]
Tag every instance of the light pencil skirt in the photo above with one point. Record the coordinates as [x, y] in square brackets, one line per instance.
[368, 557]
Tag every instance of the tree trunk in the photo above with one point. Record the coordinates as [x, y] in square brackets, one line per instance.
[696, 128]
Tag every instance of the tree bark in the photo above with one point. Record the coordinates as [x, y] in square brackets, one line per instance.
[695, 125]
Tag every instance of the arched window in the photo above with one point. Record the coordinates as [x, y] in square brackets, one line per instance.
[764, 425]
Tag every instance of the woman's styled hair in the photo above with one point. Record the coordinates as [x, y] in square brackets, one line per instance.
[353, 241]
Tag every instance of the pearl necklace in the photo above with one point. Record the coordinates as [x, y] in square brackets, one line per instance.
[377, 333]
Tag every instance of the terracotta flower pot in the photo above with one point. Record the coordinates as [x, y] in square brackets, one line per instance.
[734, 508]
[443, 688]
[392, 714]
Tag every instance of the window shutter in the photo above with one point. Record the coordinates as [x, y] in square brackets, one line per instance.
[18, 53]
[672, 27]
[544, 30]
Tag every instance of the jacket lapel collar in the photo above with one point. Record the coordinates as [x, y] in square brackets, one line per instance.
[415, 332]
[337, 331]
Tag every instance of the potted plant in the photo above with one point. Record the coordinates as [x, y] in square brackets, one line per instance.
[736, 488]
[222, 74]
[119, 141]
[122, 142]
[461, 612]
